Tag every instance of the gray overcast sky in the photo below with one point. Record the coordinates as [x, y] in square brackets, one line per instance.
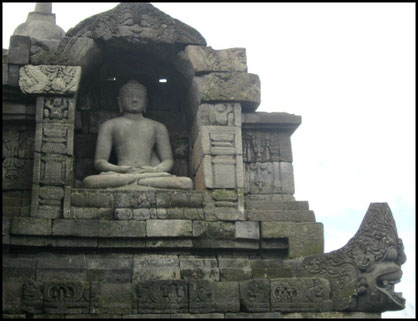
[349, 70]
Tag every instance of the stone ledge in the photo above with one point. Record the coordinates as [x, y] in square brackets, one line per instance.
[280, 215]
[30, 226]
[288, 122]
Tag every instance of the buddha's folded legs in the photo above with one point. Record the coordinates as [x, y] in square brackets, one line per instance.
[172, 182]
[155, 180]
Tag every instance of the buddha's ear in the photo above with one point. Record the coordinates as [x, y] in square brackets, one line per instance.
[120, 105]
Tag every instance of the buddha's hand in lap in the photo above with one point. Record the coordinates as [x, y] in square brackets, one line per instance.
[138, 170]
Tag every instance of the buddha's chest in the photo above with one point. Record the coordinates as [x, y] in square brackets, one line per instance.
[134, 134]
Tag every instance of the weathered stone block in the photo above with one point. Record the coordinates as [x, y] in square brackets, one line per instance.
[201, 268]
[332, 315]
[83, 228]
[78, 242]
[19, 50]
[270, 269]
[87, 213]
[155, 267]
[247, 230]
[30, 226]
[262, 120]
[255, 295]
[12, 297]
[304, 238]
[92, 199]
[207, 296]
[276, 205]
[210, 243]
[5, 73]
[185, 213]
[123, 214]
[280, 215]
[109, 268]
[18, 269]
[247, 244]
[230, 87]
[169, 243]
[214, 230]
[121, 243]
[61, 267]
[142, 214]
[206, 59]
[119, 298]
[134, 199]
[198, 316]
[13, 76]
[169, 228]
[234, 269]
[29, 240]
[122, 229]
[220, 172]
[258, 316]
[163, 296]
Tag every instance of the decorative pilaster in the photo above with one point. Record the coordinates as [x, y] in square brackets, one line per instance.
[54, 135]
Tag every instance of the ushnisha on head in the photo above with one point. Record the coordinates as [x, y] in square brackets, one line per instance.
[133, 97]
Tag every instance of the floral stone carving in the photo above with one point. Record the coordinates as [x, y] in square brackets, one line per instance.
[47, 79]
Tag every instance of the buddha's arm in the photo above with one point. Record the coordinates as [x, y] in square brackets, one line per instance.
[103, 149]
[164, 150]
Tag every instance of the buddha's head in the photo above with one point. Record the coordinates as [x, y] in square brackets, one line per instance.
[132, 97]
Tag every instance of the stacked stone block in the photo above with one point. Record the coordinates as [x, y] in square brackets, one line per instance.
[223, 86]
[156, 285]
[54, 136]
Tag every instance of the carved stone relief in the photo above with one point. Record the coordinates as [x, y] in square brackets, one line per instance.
[55, 109]
[260, 146]
[49, 79]
[362, 274]
[167, 296]
[255, 295]
[265, 178]
[302, 294]
[17, 158]
[217, 157]
[55, 297]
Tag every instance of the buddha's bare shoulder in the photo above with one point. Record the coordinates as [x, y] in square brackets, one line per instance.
[155, 124]
[110, 123]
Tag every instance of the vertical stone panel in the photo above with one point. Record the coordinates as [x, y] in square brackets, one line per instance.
[54, 136]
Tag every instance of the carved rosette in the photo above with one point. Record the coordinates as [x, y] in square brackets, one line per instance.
[300, 294]
[66, 297]
[161, 295]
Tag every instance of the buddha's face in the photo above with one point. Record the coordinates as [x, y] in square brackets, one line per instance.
[133, 98]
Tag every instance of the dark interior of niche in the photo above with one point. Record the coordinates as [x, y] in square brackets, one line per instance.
[167, 94]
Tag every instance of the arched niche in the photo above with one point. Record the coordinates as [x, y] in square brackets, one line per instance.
[170, 95]
[114, 57]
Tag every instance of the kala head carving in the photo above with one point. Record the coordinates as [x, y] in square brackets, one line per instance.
[364, 272]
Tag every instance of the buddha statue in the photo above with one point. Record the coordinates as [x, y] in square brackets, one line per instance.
[142, 147]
